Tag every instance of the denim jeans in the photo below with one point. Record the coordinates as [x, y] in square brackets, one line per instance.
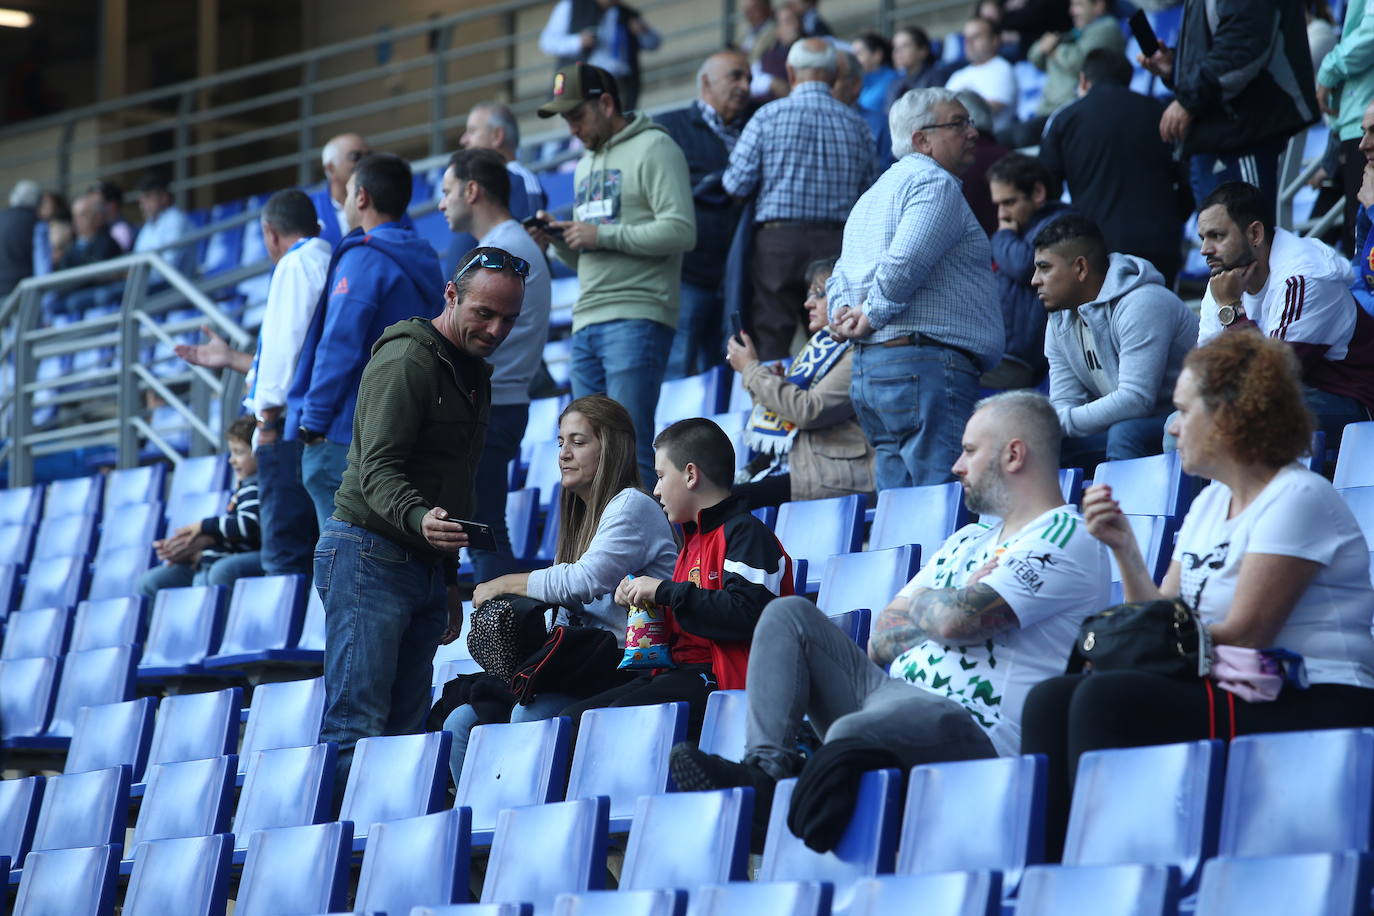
[225, 571]
[463, 720]
[504, 432]
[912, 403]
[286, 513]
[625, 361]
[700, 338]
[322, 467]
[1137, 437]
[385, 608]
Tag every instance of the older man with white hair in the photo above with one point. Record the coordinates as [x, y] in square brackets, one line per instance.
[809, 156]
[492, 125]
[339, 156]
[16, 235]
[914, 290]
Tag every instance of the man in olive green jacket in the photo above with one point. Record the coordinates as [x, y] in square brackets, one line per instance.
[418, 432]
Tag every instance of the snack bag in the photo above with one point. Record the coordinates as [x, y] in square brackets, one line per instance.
[646, 639]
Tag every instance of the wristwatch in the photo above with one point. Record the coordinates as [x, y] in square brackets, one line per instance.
[1228, 313]
[309, 436]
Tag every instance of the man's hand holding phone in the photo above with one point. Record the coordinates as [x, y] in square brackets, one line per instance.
[442, 532]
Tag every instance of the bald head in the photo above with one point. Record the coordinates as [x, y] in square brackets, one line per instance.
[1028, 416]
[723, 83]
[339, 156]
[811, 60]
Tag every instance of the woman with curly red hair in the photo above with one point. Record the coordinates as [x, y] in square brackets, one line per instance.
[1268, 556]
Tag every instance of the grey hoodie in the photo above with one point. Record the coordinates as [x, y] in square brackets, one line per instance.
[1142, 331]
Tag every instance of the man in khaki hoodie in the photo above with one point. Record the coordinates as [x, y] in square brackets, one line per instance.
[632, 221]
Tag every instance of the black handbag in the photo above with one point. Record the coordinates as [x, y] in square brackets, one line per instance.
[579, 661]
[1162, 636]
[504, 631]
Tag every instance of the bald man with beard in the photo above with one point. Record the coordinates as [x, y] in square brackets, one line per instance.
[339, 156]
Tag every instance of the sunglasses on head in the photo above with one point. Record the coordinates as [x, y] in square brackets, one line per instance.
[496, 260]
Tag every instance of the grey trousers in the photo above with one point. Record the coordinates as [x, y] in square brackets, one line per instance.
[801, 664]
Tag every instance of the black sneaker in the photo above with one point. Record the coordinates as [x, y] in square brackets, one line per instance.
[695, 770]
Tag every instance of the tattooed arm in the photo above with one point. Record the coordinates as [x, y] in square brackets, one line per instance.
[959, 616]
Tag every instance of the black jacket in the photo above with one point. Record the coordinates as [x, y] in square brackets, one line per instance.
[1243, 70]
[716, 211]
[16, 246]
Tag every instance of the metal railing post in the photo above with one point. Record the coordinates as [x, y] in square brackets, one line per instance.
[182, 140]
[728, 12]
[886, 16]
[438, 100]
[25, 372]
[305, 136]
[64, 156]
[130, 404]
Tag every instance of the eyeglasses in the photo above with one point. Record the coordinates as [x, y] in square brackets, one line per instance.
[816, 292]
[496, 260]
[959, 124]
[356, 155]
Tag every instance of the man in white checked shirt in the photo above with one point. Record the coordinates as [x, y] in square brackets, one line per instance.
[286, 514]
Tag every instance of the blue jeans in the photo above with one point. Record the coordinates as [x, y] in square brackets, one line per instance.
[625, 360]
[322, 467]
[384, 610]
[699, 341]
[504, 432]
[912, 403]
[1258, 166]
[225, 571]
[463, 720]
[1138, 437]
[286, 513]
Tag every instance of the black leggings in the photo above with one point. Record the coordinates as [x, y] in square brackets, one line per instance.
[690, 683]
[1066, 716]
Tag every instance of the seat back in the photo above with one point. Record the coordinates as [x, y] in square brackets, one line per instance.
[296, 870]
[393, 777]
[58, 582]
[622, 903]
[622, 753]
[868, 579]
[74, 496]
[131, 526]
[1114, 890]
[475, 909]
[134, 486]
[36, 633]
[69, 881]
[776, 898]
[951, 893]
[194, 726]
[522, 521]
[177, 877]
[1169, 817]
[187, 798]
[83, 809]
[1155, 535]
[21, 505]
[1353, 467]
[192, 507]
[27, 689]
[687, 839]
[285, 787]
[1283, 778]
[722, 729]
[184, 628]
[542, 425]
[111, 735]
[510, 765]
[542, 851]
[64, 536]
[1155, 485]
[692, 396]
[1361, 503]
[414, 861]
[16, 542]
[20, 800]
[544, 474]
[1004, 795]
[283, 714]
[815, 530]
[925, 516]
[1316, 884]
[312, 628]
[108, 622]
[116, 574]
[868, 846]
[208, 473]
[92, 678]
[265, 612]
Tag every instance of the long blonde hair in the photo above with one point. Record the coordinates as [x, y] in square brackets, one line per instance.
[616, 469]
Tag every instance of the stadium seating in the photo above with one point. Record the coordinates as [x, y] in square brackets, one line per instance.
[20, 800]
[414, 861]
[108, 622]
[1361, 503]
[81, 809]
[722, 728]
[186, 876]
[694, 396]
[1108, 890]
[116, 573]
[622, 753]
[815, 530]
[90, 678]
[64, 536]
[77, 880]
[394, 777]
[522, 521]
[475, 909]
[310, 647]
[9, 586]
[1149, 486]
[283, 714]
[509, 765]
[266, 614]
[74, 496]
[36, 633]
[190, 508]
[686, 839]
[776, 898]
[296, 870]
[866, 580]
[185, 627]
[112, 734]
[1317, 884]
[925, 516]
[28, 687]
[958, 893]
[194, 726]
[134, 486]
[21, 505]
[137, 525]
[1353, 467]
[544, 474]
[187, 798]
[16, 543]
[285, 787]
[59, 582]
[855, 624]
[542, 851]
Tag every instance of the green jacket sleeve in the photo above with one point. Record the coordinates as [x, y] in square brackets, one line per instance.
[386, 424]
[673, 228]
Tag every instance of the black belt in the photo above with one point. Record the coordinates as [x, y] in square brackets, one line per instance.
[800, 224]
[922, 340]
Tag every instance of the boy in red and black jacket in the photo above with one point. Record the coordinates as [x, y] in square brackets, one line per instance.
[729, 568]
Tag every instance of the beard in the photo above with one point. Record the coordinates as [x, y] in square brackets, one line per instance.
[988, 496]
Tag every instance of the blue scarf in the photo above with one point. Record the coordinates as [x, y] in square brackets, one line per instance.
[772, 434]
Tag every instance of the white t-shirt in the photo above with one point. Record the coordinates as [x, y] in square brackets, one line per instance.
[1299, 514]
[1052, 574]
[994, 80]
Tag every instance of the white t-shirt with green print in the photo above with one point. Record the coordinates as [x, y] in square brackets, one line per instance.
[1052, 574]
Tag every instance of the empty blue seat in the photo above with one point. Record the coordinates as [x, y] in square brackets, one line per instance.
[414, 861]
[868, 847]
[83, 809]
[522, 521]
[869, 580]
[75, 496]
[296, 870]
[133, 486]
[59, 582]
[310, 647]
[1316, 884]
[64, 536]
[1275, 784]
[544, 474]
[36, 633]
[108, 622]
[768, 515]
[548, 541]
[69, 881]
[925, 516]
[509, 765]
[694, 396]
[1155, 535]
[394, 777]
[776, 898]
[187, 798]
[1104, 890]
[16, 543]
[116, 574]
[20, 800]
[265, 618]
[687, 839]
[21, 505]
[193, 507]
[27, 689]
[622, 903]
[186, 624]
[91, 678]
[622, 753]
[475, 909]
[187, 876]
[542, 851]
[283, 714]
[194, 726]
[722, 728]
[1155, 485]
[1071, 485]
[950, 893]
[285, 787]
[1361, 503]
[1168, 817]
[1005, 796]
[111, 735]
[208, 473]
[815, 530]
[9, 587]
[1354, 467]
[542, 425]
[132, 526]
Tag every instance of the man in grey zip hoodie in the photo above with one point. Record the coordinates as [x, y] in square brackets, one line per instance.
[1115, 342]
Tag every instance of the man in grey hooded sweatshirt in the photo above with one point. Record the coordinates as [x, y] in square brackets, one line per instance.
[1115, 343]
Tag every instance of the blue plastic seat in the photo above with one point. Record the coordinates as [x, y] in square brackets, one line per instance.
[110, 735]
[187, 876]
[83, 809]
[1316, 884]
[116, 574]
[542, 425]
[21, 505]
[622, 903]
[414, 861]
[265, 618]
[925, 516]
[192, 507]
[394, 777]
[1104, 890]
[687, 839]
[296, 870]
[542, 851]
[59, 582]
[185, 626]
[776, 898]
[1353, 465]
[1361, 503]
[1071, 485]
[16, 543]
[548, 541]
[723, 727]
[131, 526]
[1155, 535]
[544, 474]
[74, 496]
[694, 396]
[522, 521]
[108, 622]
[20, 800]
[285, 787]
[194, 726]
[310, 647]
[9, 587]
[868, 580]
[64, 536]
[868, 847]
[91, 678]
[1168, 817]
[79, 880]
[815, 530]
[475, 909]
[283, 714]
[510, 765]
[622, 753]
[187, 798]
[36, 633]
[28, 687]
[768, 515]
[1005, 796]
[951, 893]
[134, 486]
[1155, 485]
[1275, 784]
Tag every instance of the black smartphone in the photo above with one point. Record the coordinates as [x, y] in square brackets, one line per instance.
[479, 535]
[1144, 33]
[736, 326]
[534, 222]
